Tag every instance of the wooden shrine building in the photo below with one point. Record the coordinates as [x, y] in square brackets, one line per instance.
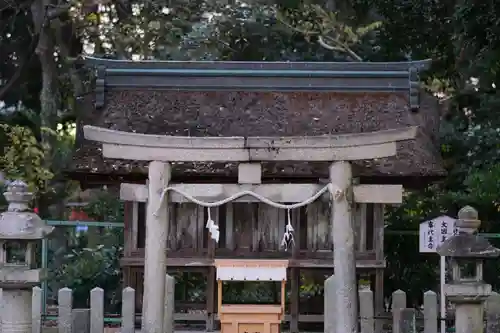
[281, 130]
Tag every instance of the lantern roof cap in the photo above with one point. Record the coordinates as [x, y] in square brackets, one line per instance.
[468, 220]
[467, 244]
[19, 221]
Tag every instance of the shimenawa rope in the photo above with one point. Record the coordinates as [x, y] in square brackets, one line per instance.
[287, 236]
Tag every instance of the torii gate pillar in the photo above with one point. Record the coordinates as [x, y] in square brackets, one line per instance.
[344, 260]
[155, 263]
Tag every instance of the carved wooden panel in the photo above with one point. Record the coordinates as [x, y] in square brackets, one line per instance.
[186, 224]
[244, 226]
[270, 228]
[359, 220]
[319, 229]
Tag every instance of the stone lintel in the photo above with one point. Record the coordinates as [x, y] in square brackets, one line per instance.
[341, 147]
[365, 193]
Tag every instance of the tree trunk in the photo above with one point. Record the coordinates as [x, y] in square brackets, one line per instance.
[49, 94]
[49, 102]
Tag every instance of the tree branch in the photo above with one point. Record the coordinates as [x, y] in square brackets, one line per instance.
[341, 47]
[27, 59]
[57, 11]
[9, 4]
[49, 14]
[24, 63]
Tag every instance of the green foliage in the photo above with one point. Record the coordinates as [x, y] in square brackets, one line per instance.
[86, 268]
[105, 206]
[481, 190]
[407, 269]
[23, 156]
[3, 202]
[85, 260]
[250, 292]
[461, 40]
[327, 28]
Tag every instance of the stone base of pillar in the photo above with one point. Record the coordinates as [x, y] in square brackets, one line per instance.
[16, 311]
[469, 317]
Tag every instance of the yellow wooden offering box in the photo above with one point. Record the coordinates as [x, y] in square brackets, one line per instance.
[251, 318]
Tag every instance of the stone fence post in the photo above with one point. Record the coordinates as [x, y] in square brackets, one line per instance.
[404, 321]
[493, 313]
[329, 307]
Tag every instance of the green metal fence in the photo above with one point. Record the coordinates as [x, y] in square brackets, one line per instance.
[45, 246]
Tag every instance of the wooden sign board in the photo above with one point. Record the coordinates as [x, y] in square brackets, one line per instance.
[251, 270]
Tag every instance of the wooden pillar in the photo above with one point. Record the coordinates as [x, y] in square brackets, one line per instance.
[211, 291]
[344, 259]
[378, 244]
[127, 248]
[155, 263]
[211, 300]
[127, 226]
[294, 299]
[379, 298]
[295, 275]
[126, 276]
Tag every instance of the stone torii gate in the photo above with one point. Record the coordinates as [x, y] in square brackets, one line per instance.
[161, 151]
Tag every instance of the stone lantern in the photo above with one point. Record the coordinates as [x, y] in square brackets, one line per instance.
[20, 231]
[467, 290]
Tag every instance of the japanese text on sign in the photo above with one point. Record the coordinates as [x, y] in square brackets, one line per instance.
[434, 232]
